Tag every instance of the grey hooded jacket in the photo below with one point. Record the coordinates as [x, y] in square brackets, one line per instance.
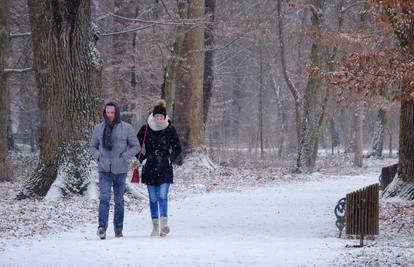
[124, 146]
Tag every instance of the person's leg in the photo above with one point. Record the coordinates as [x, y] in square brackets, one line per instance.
[119, 189]
[105, 184]
[153, 192]
[163, 199]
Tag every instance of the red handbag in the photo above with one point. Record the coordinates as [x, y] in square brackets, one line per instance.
[135, 174]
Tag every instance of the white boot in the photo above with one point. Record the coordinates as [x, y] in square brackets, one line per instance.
[164, 226]
[155, 227]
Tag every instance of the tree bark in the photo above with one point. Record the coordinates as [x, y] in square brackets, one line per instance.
[209, 56]
[188, 106]
[334, 135]
[67, 69]
[308, 125]
[358, 145]
[261, 98]
[403, 184]
[4, 96]
[379, 134]
[169, 86]
[289, 83]
[406, 151]
[322, 113]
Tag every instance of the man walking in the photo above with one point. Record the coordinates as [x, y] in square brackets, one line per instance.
[113, 143]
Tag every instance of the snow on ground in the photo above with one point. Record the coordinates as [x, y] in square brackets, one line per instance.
[289, 224]
[220, 216]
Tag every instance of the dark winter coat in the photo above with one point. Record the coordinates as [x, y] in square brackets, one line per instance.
[161, 149]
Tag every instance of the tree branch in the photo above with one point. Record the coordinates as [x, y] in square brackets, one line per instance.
[345, 9]
[291, 86]
[127, 31]
[19, 34]
[168, 22]
[8, 71]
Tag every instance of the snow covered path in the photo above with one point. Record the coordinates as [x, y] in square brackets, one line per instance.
[279, 225]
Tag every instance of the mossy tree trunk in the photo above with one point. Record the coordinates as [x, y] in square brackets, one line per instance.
[67, 69]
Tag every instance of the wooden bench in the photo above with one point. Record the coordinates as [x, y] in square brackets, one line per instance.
[358, 212]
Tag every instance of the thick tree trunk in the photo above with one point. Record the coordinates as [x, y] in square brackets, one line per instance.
[188, 106]
[67, 69]
[406, 150]
[4, 96]
[403, 185]
[306, 148]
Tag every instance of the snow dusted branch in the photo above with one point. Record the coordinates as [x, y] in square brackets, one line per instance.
[20, 34]
[127, 31]
[25, 70]
[214, 49]
[168, 22]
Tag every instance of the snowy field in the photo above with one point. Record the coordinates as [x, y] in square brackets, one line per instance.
[219, 217]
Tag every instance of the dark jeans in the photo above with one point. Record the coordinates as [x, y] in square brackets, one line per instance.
[106, 181]
[158, 196]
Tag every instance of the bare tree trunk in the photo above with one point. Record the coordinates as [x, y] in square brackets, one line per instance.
[188, 106]
[4, 96]
[308, 125]
[358, 145]
[403, 185]
[390, 142]
[209, 56]
[134, 82]
[293, 90]
[322, 113]
[261, 98]
[379, 134]
[406, 150]
[334, 134]
[282, 116]
[169, 86]
[67, 69]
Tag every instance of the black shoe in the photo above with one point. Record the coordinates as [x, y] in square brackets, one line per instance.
[118, 233]
[101, 233]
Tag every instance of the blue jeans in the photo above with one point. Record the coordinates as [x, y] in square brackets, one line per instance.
[158, 197]
[106, 181]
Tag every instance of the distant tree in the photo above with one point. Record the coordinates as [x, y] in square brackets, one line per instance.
[4, 96]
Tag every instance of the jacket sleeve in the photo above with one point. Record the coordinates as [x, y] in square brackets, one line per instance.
[94, 144]
[140, 137]
[133, 145]
[175, 144]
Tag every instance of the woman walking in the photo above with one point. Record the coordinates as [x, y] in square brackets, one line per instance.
[160, 147]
